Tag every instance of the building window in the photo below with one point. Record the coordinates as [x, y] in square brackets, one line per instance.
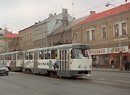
[124, 32]
[116, 30]
[104, 32]
[88, 35]
[93, 35]
[120, 28]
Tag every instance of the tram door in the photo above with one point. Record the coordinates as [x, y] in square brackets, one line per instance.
[14, 60]
[64, 60]
[36, 61]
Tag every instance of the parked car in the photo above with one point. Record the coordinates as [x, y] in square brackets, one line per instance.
[3, 70]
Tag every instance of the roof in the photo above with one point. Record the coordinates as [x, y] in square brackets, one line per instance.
[8, 53]
[11, 35]
[106, 13]
[68, 26]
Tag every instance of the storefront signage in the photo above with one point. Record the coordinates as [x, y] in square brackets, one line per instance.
[122, 49]
[98, 51]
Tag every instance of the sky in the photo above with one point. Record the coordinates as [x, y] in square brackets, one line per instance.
[19, 14]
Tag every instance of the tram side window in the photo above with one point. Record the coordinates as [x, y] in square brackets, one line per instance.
[14, 56]
[85, 53]
[72, 54]
[47, 54]
[41, 55]
[19, 56]
[26, 56]
[79, 53]
[9, 57]
[31, 56]
[53, 54]
[6, 57]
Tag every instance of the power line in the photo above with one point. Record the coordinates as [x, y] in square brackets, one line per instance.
[111, 1]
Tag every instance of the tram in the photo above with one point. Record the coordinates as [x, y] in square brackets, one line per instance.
[12, 60]
[69, 60]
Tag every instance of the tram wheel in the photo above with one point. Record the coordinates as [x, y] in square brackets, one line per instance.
[53, 75]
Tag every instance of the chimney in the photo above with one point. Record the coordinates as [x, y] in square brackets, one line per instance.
[92, 12]
[50, 15]
[54, 14]
[65, 16]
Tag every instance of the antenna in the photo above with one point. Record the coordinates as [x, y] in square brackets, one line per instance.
[73, 8]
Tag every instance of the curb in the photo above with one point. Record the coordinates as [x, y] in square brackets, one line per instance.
[111, 70]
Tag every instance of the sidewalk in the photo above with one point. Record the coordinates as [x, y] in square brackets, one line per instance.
[109, 70]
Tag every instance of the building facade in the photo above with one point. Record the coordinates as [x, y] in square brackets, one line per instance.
[42, 29]
[39, 33]
[4, 40]
[63, 34]
[26, 38]
[107, 33]
[13, 45]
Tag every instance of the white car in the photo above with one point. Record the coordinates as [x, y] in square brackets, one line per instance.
[3, 70]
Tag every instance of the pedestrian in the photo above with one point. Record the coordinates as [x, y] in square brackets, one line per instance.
[126, 63]
[112, 64]
[96, 63]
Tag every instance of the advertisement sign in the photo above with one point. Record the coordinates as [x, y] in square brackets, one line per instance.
[122, 49]
[98, 51]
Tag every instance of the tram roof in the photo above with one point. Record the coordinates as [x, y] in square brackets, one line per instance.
[65, 46]
[10, 53]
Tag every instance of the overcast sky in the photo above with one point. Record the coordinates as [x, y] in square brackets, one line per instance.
[19, 14]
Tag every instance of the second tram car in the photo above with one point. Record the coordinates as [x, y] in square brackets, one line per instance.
[12, 60]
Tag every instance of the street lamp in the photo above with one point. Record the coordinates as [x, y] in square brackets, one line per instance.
[120, 52]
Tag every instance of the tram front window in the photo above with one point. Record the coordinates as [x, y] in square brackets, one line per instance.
[78, 53]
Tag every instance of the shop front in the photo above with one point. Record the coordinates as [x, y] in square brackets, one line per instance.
[116, 52]
[99, 57]
[102, 57]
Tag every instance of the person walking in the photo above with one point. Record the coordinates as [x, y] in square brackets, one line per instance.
[112, 64]
[126, 63]
[96, 63]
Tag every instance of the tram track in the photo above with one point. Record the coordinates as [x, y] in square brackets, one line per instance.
[103, 82]
[93, 80]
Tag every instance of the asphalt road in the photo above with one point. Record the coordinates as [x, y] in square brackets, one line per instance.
[100, 83]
